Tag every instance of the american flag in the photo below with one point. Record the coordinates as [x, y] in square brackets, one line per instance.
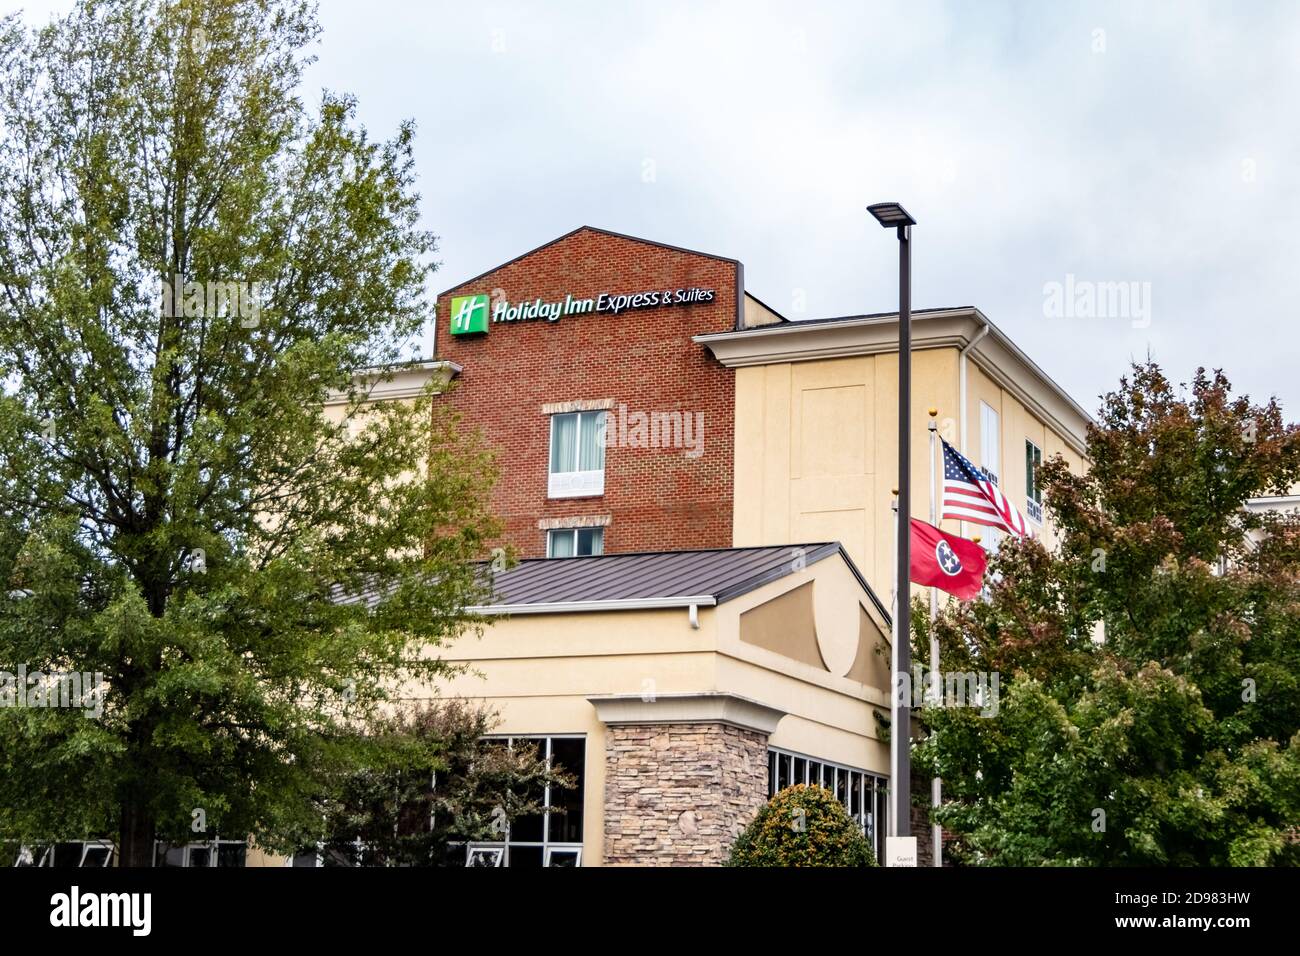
[969, 496]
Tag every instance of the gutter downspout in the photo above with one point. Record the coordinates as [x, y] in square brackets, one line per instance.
[961, 373]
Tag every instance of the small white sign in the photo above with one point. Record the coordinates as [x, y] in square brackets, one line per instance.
[900, 851]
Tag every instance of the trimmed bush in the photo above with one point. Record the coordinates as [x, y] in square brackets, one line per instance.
[802, 826]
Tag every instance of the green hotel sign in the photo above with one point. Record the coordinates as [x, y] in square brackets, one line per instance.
[469, 313]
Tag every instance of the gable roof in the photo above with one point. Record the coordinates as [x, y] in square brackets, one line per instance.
[574, 232]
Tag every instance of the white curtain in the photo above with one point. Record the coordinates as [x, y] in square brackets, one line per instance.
[592, 446]
[561, 544]
[564, 444]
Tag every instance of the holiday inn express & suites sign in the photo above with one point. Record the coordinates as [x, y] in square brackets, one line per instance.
[471, 314]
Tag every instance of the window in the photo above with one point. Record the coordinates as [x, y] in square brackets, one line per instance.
[554, 836]
[575, 542]
[863, 794]
[577, 455]
[218, 853]
[1033, 493]
[476, 855]
[89, 854]
[990, 442]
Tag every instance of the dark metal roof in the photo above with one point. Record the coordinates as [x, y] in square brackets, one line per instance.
[717, 573]
[721, 573]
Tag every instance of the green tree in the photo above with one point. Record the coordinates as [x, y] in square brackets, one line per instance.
[441, 781]
[1177, 740]
[802, 826]
[191, 262]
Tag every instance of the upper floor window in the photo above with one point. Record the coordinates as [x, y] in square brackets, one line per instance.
[577, 455]
[1033, 492]
[990, 442]
[575, 542]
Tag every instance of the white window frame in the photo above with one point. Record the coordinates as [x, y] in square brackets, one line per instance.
[573, 484]
[575, 851]
[494, 852]
[990, 441]
[574, 531]
[1033, 507]
[97, 845]
[545, 843]
[213, 846]
[46, 859]
[872, 783]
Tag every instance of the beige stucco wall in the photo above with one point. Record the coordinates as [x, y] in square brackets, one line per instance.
[817, 449]
[538, 671]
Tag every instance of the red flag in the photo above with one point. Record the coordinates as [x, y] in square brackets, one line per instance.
[946, 561]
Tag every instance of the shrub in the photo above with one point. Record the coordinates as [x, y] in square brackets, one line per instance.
[802, 826]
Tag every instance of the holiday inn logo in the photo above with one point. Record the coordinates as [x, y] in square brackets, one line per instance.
[469, 314]
[472, 314]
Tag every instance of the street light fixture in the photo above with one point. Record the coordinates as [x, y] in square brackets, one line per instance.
[892, 215]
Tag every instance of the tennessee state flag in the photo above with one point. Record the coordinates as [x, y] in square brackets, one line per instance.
[946, 561]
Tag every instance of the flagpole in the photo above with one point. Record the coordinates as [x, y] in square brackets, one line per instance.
[892, 827]
[936, 785]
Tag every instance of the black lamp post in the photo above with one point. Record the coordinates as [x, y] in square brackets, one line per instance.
[891, 214]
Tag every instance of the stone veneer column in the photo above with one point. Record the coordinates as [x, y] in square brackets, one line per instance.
[683, 776]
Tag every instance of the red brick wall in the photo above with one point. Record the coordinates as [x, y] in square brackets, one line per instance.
[657, 498]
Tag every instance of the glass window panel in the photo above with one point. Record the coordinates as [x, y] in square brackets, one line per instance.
[828, 779]
[563, 856]
[232, 854]
[1033, 458]
[564, 443]
[591, 541]
[479, 856]
[172, 856]
[530, 828]
[771, 773]
[800, 769]
[782, 772]
[67, 854]
[990, 439]
[565, 824]
[561, 543]
[592, 442]
[525, 857]
[842, 787]
[200, 856]
[882, 816]
[1029, 470]
[855, 797]
[97, 856]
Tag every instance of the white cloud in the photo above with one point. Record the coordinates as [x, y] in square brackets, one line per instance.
[1024, 153]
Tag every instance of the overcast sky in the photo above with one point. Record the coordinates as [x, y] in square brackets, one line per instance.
[1147, 143]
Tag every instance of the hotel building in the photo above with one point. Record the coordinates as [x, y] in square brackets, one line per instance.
[700, 495]
[700, 492]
